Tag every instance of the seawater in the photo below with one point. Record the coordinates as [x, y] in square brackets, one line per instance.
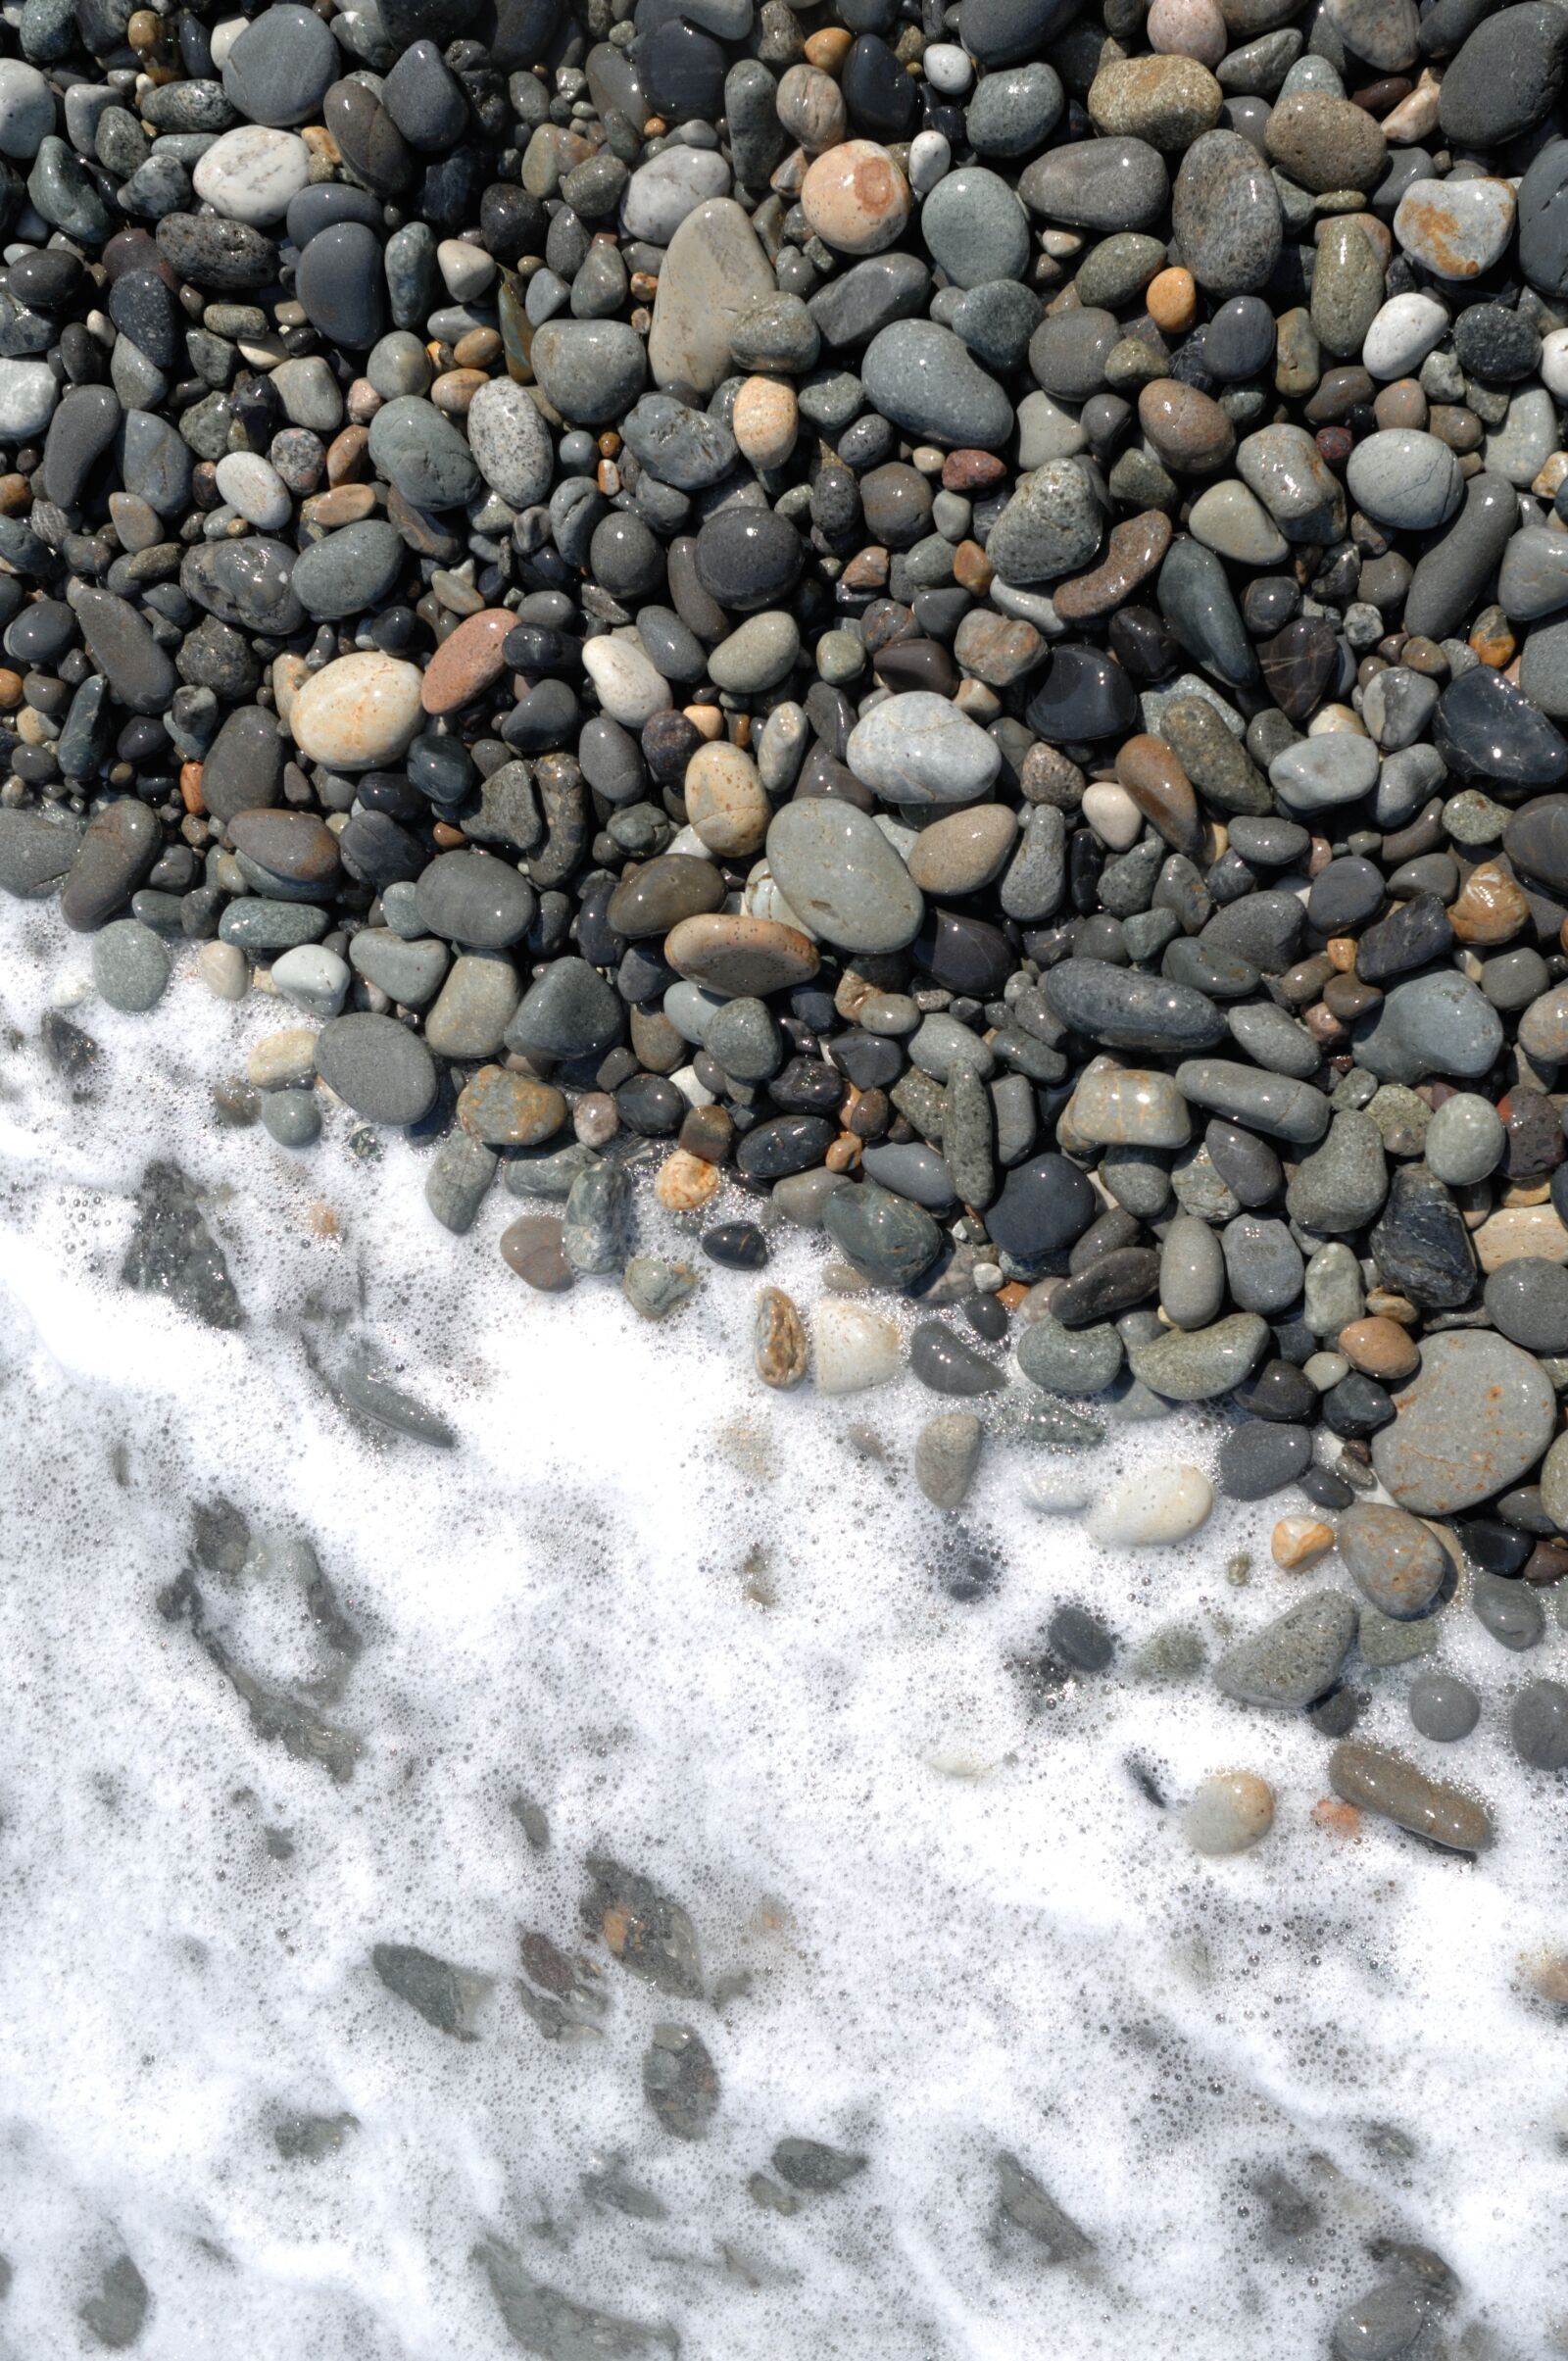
[701, 1629]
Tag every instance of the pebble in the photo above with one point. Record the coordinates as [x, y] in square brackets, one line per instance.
[1292, 1661]
[1376, 1779]
[853, 1347]
[1152, 1510]
[1476, 1418]
[377, 1068]
[1229, 1811]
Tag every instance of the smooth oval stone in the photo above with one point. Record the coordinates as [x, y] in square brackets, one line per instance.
[1479, 1414]
[377, 1068]
[474, 899]
[841, 877]
[713, 271]
[359, 712]
[1542, 200]
[1505, 76]
[130, 966]
[1050, 526]
[351, 571]
[1537, 1725]
[1226, 213]
[1487, 730]
[923, 379]
[740, 956]
[919, 749]
[1086, 695]
[282, 66]
[420, 452]
[1376, 1779]
[1434, 1025]
[1442, 1707]
[341, 283]
[1125, 1010]
[974, 227]
[1393, 1559]
[1114, 184]
[1044, 1205]
[252, 174]
[1528, 1303]
[1077, 1362]
[1406, 479]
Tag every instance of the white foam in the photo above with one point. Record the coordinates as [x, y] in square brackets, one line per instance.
[701, 1625]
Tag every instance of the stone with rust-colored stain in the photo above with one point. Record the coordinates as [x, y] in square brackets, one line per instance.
[1393, 1559]
[685, 1181]
[778, 1341]
[1133, 552]
[1491, 907]
[855, 198]
[1456, 229]
[971, 471]
[1479, 1413]
[1375, 1779]
[1163, 793]
[532, 1248]
[740, 956]
[511, 1110]
[468, 661]
[1167, 100]
[1188, 429]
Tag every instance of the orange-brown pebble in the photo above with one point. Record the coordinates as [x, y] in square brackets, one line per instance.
[844, 1154]
[778, 1341]
[456, 388]
[1547, 1974]
[972, 570]
[10, 691]
[14, 493]
[1339, 952]
[447, 837]
[145, 28]
[765, 421]
[1153, 776]
[320, 1220]
[685, 1182]
[867, 569]
[1379, 1348]
[706, 719]
[1491, 907]
[726, 802]
[829, 48]
[476, 349]
[1336, 1819]
[190, 787]
[1299, 1540]
[1492, 639]
[468, 661]
[348, 504]
[346, 453]
[1171, 299]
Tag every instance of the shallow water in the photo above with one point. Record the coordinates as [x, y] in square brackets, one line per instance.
[701, 1629]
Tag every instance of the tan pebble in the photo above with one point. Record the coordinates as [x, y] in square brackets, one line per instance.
[1336, 1819]
[347, 454]
[347, 504]
[1516, 1232]
[289, 675]
[685, 1182]
[1188, 429]
[1171, 298]
[740, 956]
[725, 801]
[855, 198]
[1299, 1540]
[595, 1119]
[829, 48]
[704, 718]
[1379, 1348]
[283, 1061]
[1547, 1974]
[456, 388]
[765, 421]
[190, 787]
[810, 107]
[1491, 907]
[222, 968]
[362, 402]
[778, 1341]
[320, 1220]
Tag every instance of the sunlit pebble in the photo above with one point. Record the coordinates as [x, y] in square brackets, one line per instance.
[1299, 1540]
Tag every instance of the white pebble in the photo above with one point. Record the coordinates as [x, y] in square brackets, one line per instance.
[1112, 814]
[1402, 334]
[1056, 1491]
[628, 688]
[251, 174]
[253, 489]
[1152, 1507]
[947, 68]
[466, 270]
[1554, 364]
[929, 158]
[851, 1347]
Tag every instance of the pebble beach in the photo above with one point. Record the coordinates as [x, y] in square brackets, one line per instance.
[783, 996]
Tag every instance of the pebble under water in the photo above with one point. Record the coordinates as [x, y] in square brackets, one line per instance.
[944, 1918]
